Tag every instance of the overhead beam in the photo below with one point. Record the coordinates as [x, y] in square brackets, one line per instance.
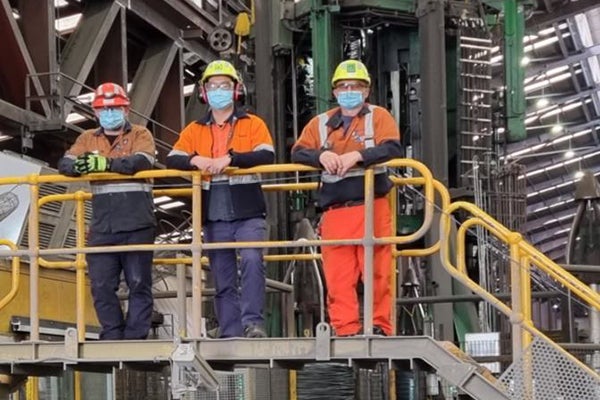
[558, 158]
[554, 182]
[553, 101]
[39, 34]
[564, 12]
[539, 69]
[558, 242]
[83, 46]
[303, 7]
[544, 222]
[548, 137]
[537, 239]
[114, 49]
[198, 15]
[167, 28]
[169, 109]
[18, 64]
[558, 255]
[19, 115]
[545, 203]
[150, 78]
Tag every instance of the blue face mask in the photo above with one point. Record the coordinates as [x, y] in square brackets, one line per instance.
[219, 99]
[111, 118]
[350, 99]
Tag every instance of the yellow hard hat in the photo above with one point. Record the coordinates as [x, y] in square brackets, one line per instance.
[220, 67]
[351, 69]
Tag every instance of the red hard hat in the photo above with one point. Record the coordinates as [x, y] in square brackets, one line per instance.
[110, 95]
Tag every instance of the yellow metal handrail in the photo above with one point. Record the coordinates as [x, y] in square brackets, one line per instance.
[522, 254]
[15, 274]
[36, 254]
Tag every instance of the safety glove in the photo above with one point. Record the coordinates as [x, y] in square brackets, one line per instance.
[80, 166]
[93, 163]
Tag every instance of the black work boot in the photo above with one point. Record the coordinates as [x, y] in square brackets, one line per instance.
[255, 331]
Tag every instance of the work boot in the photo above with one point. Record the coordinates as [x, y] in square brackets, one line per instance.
[255, 331]
[377, 330]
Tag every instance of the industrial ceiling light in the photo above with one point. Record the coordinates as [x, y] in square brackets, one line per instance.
[569, 154]
[541, 103]
[525, 61]
[578, 174]
[558, 128]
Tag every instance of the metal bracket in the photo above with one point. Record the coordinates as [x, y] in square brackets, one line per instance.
[71, 344]
[189, 371]
[323, 343]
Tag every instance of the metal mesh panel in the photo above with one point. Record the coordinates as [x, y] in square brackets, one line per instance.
[232, 386]
[545, 373]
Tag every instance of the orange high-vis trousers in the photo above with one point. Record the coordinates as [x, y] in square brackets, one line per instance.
[344, 266]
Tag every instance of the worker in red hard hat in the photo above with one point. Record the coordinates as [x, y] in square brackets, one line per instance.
[122, 212]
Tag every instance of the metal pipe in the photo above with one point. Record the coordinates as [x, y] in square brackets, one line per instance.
[580, 268]
[468, 298]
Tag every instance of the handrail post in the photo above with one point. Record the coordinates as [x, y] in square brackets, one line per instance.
[181, 299]
[516, 283]
[393, 199]
[34, 267]
[196, 255]
[80, 265]
[369, 251]
[525, 271]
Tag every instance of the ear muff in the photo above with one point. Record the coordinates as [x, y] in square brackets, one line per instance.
[239, 93]
[202, 94]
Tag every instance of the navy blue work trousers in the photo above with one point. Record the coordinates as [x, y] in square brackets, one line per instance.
[105, 275]
[238, 302]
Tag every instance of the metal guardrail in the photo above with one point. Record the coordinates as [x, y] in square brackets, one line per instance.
[522, 254]
[37, 260]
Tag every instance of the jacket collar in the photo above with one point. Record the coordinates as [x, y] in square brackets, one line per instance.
[208, 119]
[126, 129]
[335, 121]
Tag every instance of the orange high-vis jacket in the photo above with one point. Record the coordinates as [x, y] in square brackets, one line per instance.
[382, 146]
[249, 145]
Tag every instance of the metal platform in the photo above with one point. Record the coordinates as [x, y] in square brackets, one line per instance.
[41, 358]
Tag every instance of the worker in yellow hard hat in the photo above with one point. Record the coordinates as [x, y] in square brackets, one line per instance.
[343, 142]
[233, 206]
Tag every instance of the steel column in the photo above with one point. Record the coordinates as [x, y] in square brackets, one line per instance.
[323, 59]
[13, 48]
[115, 50]
[169, 108]
[39, 34]
[434, 133]
[514, 73]
[80, 53]
[150, 78]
